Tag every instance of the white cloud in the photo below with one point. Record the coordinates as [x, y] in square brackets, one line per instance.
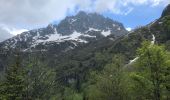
[4, 34]
[128, 11]
[128, 29]
[38, 13]
[11, 30]
[146, 2]
[17, 31]
[33, 12]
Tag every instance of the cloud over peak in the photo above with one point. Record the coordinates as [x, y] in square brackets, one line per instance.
[35, 13]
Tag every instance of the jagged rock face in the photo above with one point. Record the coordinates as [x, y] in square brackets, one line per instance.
[83, 21]
[166, 11]
[69, 33]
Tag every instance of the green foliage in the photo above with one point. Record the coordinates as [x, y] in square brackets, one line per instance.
[141, 87]
[40, 81]
[101, 59]
[35, 81]
[109, 82]
[163, 27]
[13, 86]
[149, 78]
[166, 22]
[70, 94]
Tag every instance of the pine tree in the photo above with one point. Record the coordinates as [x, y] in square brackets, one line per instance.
[13, 86]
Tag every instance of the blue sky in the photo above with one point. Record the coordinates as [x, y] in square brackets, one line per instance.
[21, 15]
[140, 16]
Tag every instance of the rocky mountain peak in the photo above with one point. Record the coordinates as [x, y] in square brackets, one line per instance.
[166, 11]
[83, 21]
[81, 14]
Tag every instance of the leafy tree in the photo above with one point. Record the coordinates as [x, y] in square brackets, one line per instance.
[40, 81]
[149, 77]
[71, 94]
[110, 82]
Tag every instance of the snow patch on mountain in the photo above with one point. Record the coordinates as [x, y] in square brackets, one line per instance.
[152, 43]
[93, 29]
[75, 36]
[133, 60]
[153, 39]
[73, 20]
[86, 35]
[118, 28]
[106, 33]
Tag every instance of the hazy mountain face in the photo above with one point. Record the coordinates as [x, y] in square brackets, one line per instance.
[4, 34]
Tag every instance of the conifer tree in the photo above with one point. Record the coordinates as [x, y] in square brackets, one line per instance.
[13, 86]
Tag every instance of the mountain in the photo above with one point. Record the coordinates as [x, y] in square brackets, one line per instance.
[81, 36]
[4, 34]
[68, 34]
[79, 42]
[98, 53]
[80, 48]
[166, 11]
